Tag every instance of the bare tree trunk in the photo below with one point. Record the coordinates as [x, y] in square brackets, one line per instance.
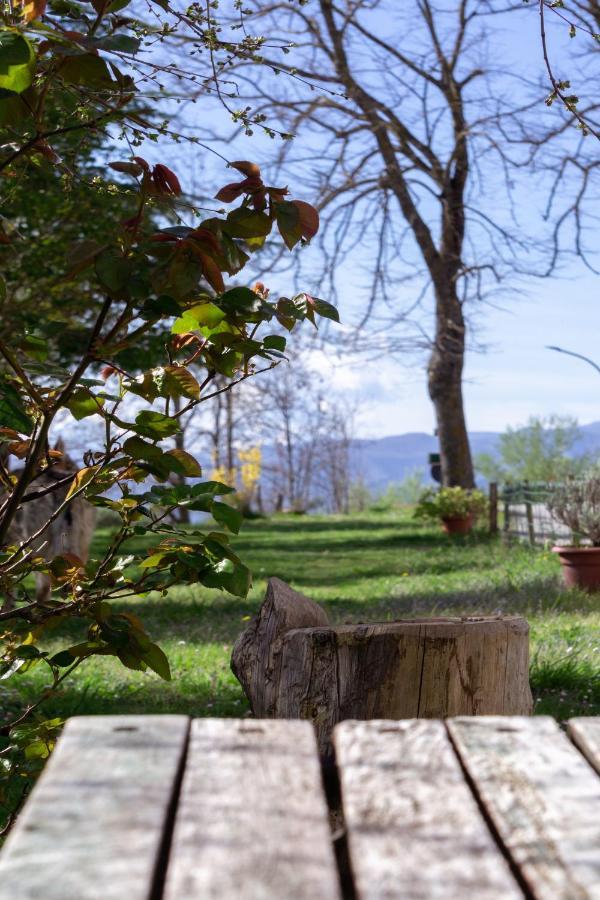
[230, 430]
[445, 390]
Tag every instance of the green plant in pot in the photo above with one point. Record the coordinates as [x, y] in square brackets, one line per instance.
[577, 505]
[456, 507]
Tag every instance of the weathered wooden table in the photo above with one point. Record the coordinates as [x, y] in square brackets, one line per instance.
[155, 807]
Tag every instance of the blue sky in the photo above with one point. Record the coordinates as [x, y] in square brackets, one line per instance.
[515, 379]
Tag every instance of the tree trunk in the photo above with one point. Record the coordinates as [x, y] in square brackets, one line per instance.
[292, 666]
[230, 434]
[445, 390]
[256, 656]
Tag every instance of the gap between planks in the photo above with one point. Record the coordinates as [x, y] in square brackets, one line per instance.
[541, 797]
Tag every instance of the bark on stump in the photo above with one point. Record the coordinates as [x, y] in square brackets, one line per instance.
[293, 664]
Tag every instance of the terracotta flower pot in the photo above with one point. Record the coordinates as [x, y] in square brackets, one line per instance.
[581, 566]
[458, 524]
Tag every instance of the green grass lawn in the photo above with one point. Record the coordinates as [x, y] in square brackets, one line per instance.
[372, 567]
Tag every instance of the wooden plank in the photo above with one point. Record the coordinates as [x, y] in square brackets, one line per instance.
[585, 732]
[413, 827]
[94, 824]
[542, 797]
[252, 821]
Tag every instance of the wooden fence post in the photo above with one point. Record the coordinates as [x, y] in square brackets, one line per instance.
[529, 513]
[493, 500]
[506, 511]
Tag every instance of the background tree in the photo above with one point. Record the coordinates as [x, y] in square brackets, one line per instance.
[542, 450]
[306, 431]
[416, 143]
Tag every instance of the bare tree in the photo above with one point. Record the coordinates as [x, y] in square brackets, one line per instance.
[306, 433]
[335, 469]
[417, 146]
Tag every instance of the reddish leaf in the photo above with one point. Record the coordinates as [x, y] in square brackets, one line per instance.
[309, 218]
[133, 223]
[33, 9]
[130, 168]
[163, 238]
[165, 181]
[142, 162]
[247, 168]
[206, 237]
[211, 271]
[180, 341]
[230, 192]
[20, 449]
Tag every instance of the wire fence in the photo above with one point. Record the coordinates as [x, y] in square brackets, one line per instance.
[521, 511]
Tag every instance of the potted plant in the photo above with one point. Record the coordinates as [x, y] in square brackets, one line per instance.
[577, 505]
[456, 507]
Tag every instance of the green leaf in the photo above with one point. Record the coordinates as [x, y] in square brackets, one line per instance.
[113, 269]
[26, 651]
[17, 61]
[159, 463]
[143, 385]
[324, 309]
[62, 659]
[161, 306]
[274, 342]
[131, 661]
[155, 425]
[12, 409]
[140, 449]
[35, 347]
[81, 479]
[121, 43]
[156, 660]
[83, 403]
[87, 69]
[203, 314]
[227, 515]
[179, 382]
[37, 750]
[247, 223]
[288, 222]
[240, 300]
[153, 560]
[13, 108]
[180, 278]
[228, 576]
[187, 465]
[117, 6]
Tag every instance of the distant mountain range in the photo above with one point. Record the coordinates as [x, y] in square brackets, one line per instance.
[390, 459]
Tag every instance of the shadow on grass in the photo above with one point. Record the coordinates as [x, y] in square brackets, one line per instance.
[82, 696]
[296, 544]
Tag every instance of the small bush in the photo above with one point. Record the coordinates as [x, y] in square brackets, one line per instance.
[450, 503]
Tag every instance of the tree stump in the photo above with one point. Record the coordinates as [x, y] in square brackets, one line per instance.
[293, 664]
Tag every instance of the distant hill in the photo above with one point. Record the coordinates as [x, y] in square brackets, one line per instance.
[390, 459]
